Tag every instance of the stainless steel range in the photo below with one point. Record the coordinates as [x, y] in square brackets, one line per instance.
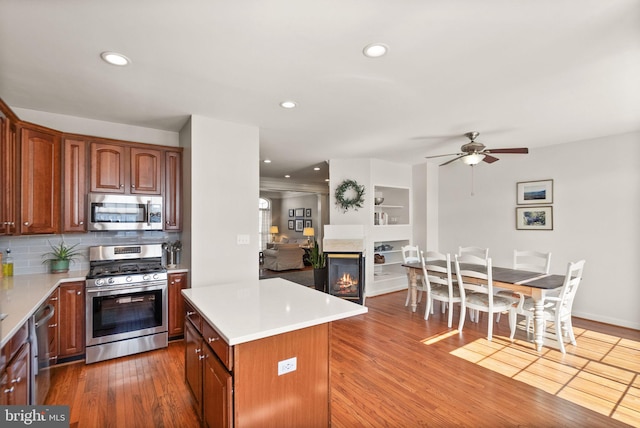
[126, 301]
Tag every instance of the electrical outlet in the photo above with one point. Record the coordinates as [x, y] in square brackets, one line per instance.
[287, 366]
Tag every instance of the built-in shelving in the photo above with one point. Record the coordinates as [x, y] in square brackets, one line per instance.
[392, 268]
[394, 209]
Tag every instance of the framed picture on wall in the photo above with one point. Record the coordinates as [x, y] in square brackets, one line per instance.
[299, 212]
[534, 218]
[291, 214]
[307, 212]
[307, 223]
[290, 223]
[535, 192]
[299, 225]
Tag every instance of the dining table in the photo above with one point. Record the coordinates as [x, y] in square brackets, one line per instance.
[531, 284]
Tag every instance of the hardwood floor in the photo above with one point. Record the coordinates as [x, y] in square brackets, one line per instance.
[391, 368]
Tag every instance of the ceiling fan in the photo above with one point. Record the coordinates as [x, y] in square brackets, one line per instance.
[473, 152]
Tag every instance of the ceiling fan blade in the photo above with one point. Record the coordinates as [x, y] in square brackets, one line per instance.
[452, 160]
[520, 150]
[439, 156]
[489, 158]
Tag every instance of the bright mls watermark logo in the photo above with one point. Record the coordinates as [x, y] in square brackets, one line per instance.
[34, 416]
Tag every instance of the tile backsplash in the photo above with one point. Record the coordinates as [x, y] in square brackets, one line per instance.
[27, 251]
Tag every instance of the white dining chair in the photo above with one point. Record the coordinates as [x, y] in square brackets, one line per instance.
[479, 297]
[480, 253]
[483, 253]
[439, 285]
[411, 254]
[533, 261]
[557, 308]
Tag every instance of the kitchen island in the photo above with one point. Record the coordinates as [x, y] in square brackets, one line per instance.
[257, 352]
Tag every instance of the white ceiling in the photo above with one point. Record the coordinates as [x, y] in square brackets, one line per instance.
[523, 73]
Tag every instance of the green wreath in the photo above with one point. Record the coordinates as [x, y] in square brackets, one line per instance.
[347, 202]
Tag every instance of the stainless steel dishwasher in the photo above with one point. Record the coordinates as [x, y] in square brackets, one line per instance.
[39, 338]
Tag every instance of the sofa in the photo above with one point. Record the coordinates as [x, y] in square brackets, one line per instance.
[283, 257]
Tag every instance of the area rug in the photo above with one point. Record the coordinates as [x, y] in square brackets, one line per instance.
[304, 277]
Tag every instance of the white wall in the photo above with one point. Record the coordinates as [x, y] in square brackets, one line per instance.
[596, 208]
[98, 128]
[223, 161]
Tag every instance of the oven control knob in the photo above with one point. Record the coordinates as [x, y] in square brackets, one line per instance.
[111, 281]
[129, 279]
[99, 281]
[156, 276]
[146, 277]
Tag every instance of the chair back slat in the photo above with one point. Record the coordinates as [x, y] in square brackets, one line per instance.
[483, 253]
[474, 267]
[570, 287]
[410, 254]
[534, 261]
[440, 263]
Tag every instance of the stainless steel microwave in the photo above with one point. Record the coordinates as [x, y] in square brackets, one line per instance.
[124, 212]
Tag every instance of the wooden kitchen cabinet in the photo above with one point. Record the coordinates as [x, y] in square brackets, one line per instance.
[193, 364]
[119, 168]
[177, 282]
[217, 387]
[173, 190]
[8, 173]
[71, 320]
[74, 196]
[15, 359]
[40, 161]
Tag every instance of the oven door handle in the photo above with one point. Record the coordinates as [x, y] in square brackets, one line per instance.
[135, 288]
[148, 212]
[47, 317]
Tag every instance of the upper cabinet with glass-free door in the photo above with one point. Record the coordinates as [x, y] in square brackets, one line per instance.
[118, 168]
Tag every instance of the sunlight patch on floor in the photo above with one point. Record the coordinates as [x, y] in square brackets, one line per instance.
[601, 373]
[438, 337]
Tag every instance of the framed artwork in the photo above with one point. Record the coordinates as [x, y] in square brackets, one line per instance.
[534, 218]
[299, 225]
[535, 192]
[307, 212]
[290, 223]
[299, 212]
[291, 214]
[307, 223]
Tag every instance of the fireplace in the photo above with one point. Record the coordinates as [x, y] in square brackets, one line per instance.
[345, 275]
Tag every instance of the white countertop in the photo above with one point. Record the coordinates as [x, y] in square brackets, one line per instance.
[251, 310]
[22, 295]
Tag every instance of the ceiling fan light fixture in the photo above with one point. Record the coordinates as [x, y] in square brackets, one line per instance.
[473, 159]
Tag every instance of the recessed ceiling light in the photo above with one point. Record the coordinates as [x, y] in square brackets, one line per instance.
[267, 161]
[115, 58]
[287, 176]
[316, 169]
[375, 50]
[326, 179]
[288, 104]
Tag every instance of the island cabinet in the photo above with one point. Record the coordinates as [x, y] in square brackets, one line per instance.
[127, 169]
[14, 369]
[40, 172]
[257, 353]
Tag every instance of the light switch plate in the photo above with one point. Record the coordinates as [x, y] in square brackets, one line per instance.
[243, 239]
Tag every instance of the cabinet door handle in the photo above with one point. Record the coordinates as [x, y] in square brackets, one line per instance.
[53, 298]
[81, 223]
[190, 313]
[213, 339]
[78, 292]
[26, 223]
[53, 325]
[198, 350]
[133, 186]
[201, 357]
[122, 185]
[10, 390]
[16, 380]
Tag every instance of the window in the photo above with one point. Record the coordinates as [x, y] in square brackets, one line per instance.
[264, 218]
